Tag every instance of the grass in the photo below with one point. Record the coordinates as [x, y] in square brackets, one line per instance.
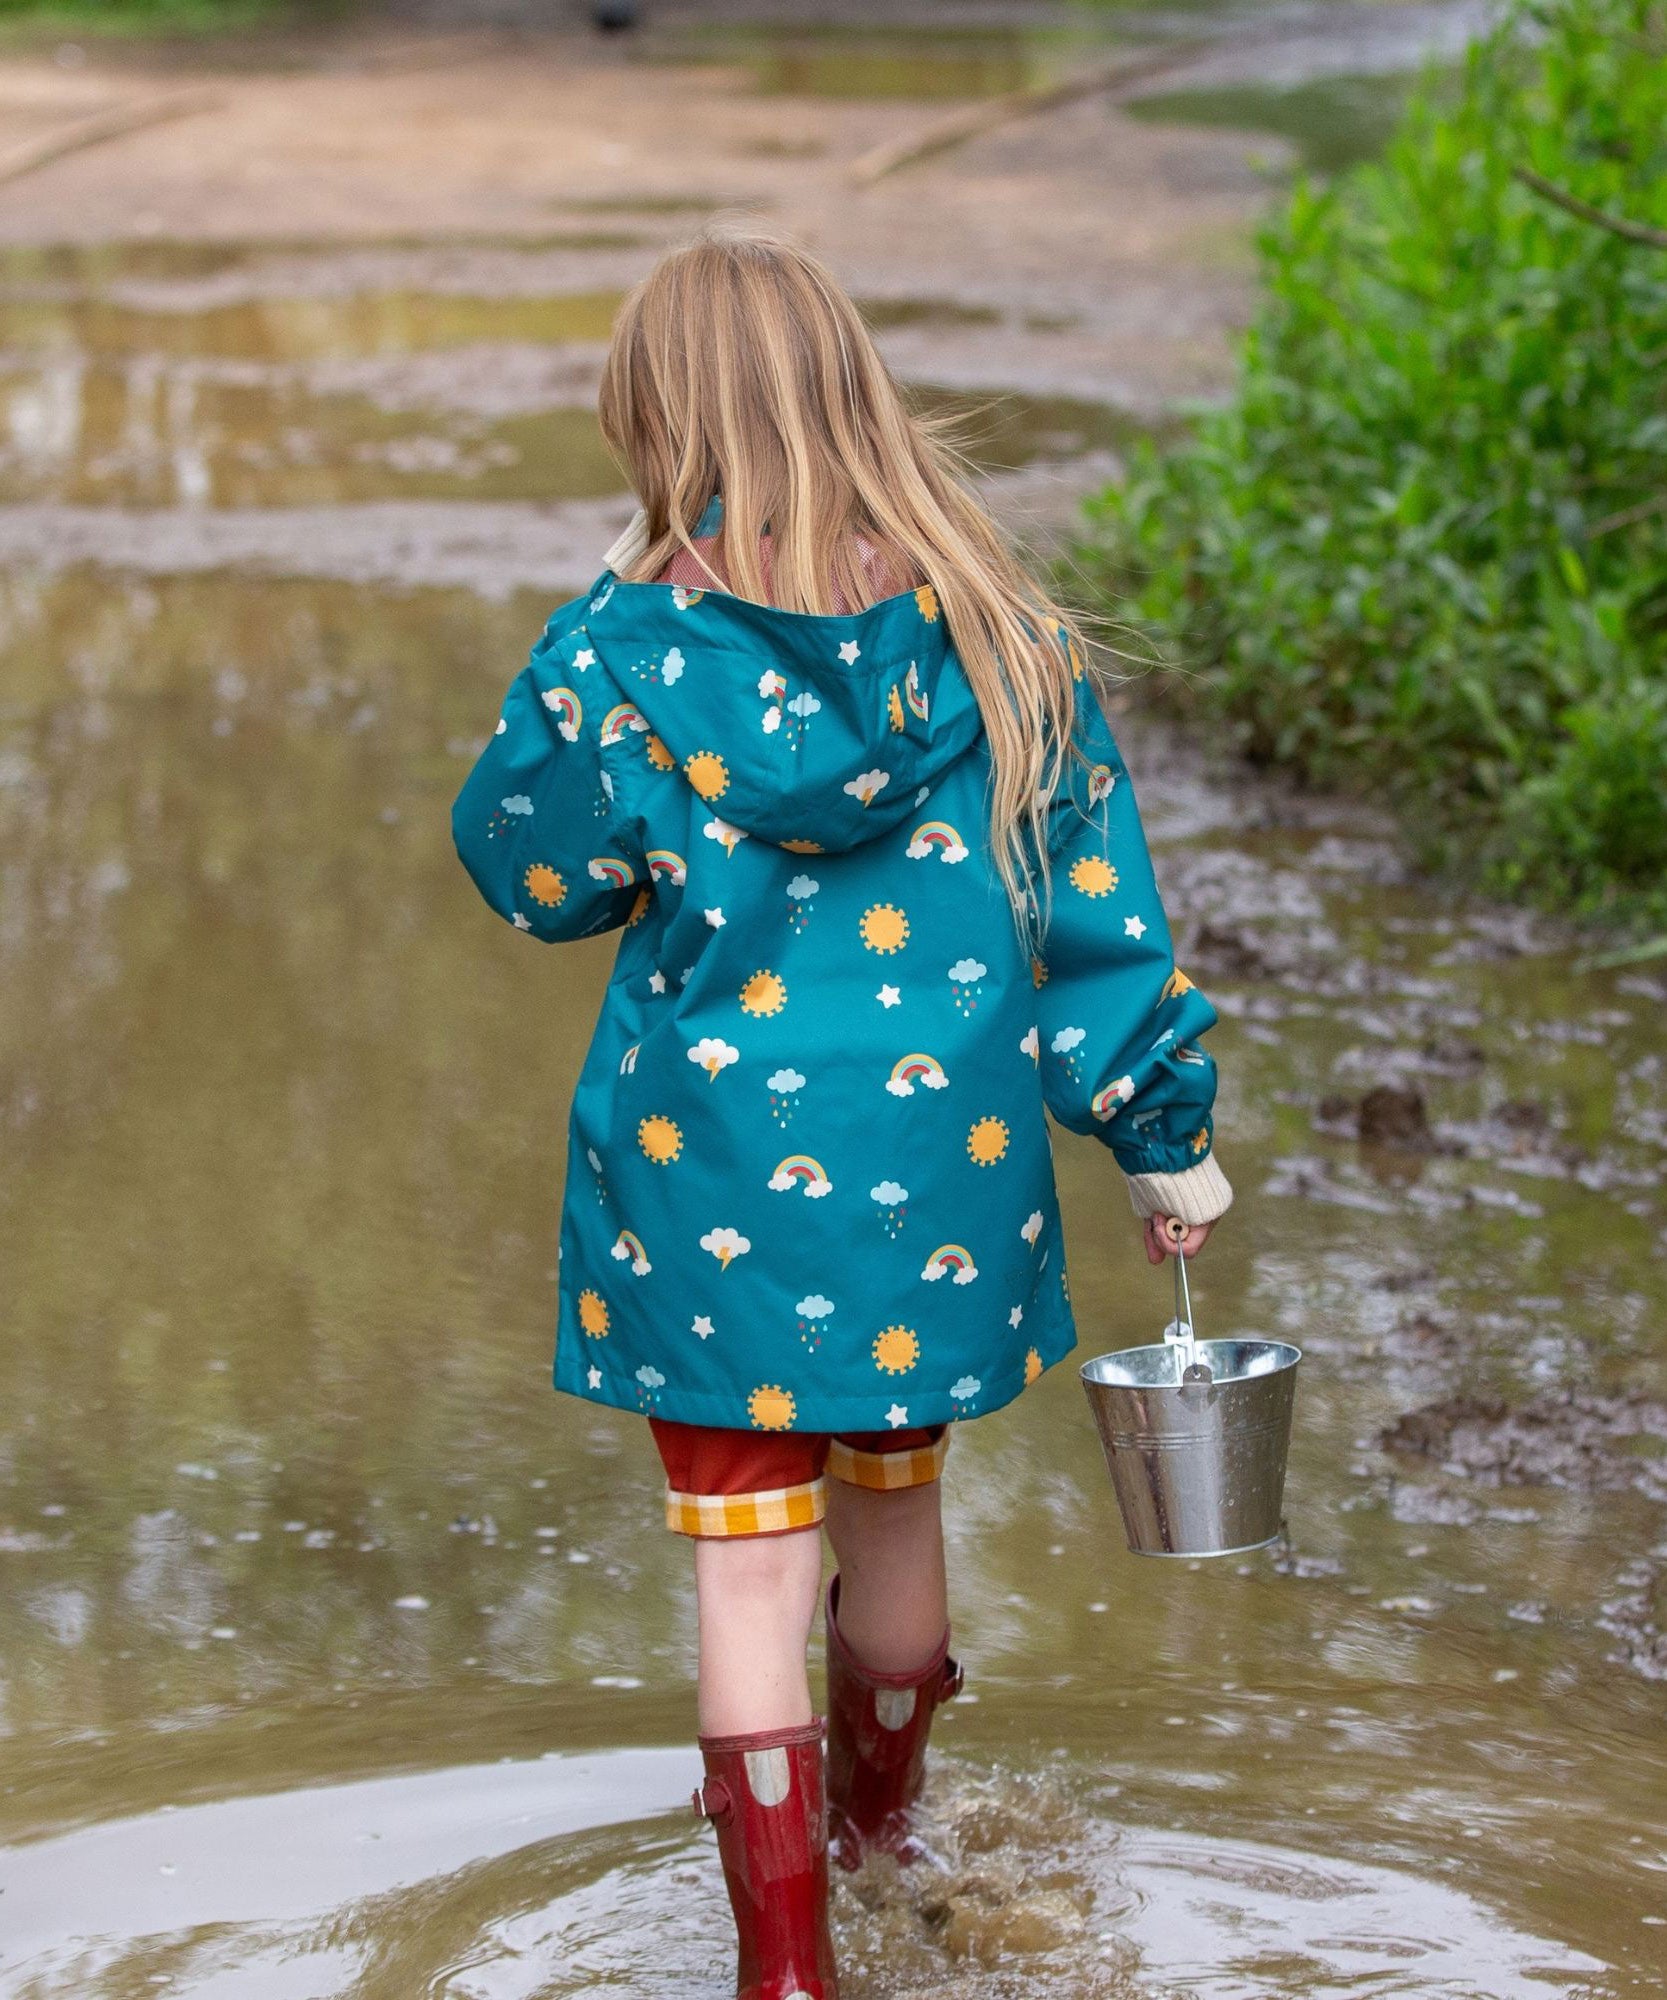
[1424, 549]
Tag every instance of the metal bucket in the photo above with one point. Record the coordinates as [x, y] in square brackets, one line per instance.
[1195, 1434]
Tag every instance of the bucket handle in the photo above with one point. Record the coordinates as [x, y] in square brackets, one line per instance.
[1185, 1338]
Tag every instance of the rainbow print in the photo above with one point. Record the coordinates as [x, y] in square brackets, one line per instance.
[564, 705]
[950, 1260]
[610, 869]
[909, 1070]
[628, 1249]
[623, 716]
[665, 866]
[915, 693]
[1105, 1104]
[801, 1171]
[936, 836]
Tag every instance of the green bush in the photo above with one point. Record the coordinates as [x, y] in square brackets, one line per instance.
[1426, 544]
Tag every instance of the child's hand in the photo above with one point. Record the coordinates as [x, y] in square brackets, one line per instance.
[1167, 1236]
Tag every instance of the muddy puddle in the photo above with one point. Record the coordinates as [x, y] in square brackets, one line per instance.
[339, 1658]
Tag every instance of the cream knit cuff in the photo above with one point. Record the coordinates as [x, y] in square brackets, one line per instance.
[1201, 1194]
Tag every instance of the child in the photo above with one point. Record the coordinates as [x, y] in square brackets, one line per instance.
[827, 757]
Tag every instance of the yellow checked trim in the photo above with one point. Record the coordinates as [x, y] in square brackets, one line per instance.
[715, 1515]
[888, 1471]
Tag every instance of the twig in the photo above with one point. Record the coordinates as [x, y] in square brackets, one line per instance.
[1628, 517]
[101, 126]
[1617, 225]
[977, 119]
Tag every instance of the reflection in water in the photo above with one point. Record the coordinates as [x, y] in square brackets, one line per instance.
[285, 1498]
[532, 1879]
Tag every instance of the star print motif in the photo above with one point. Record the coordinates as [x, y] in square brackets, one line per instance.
[888, 996]
[1015, 1315]
[1133, 927]
[702, 1325]
[715, 918]
[897, 1416]
[656, 982]
[521, 923]
[849, 651]
[583, 658]
[594, 1378]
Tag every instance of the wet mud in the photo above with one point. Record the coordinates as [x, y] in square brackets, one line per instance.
[338, 1656]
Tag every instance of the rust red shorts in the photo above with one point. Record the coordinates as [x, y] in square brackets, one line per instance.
[721, 1482]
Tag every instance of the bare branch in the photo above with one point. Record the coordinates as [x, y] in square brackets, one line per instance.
[1617, 225]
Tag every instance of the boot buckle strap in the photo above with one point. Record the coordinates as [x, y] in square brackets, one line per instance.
[712, 1800]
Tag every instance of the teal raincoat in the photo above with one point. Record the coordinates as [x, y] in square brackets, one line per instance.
[809, 1179]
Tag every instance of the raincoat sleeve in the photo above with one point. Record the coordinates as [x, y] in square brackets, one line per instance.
[537, 824]
[1119, 1024]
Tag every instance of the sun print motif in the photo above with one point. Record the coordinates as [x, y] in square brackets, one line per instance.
[545, 886]
[883, 928]
[987, 1141]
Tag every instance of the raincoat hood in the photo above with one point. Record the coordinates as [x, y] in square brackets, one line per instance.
[815, 733]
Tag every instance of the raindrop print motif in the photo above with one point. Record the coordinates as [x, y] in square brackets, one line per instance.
[987, 1141]
[891, 1198]
[628, 1249]
[952, 1261]
[714, 1054]
[896, 1350]
[801, 894]
[665, 668]
[594, 1159]
[649, 1382]
[1067, 1045]
[799, 1170]
[965, 983]
[910, 1072]
[936, 836]
[516, 806]
[814, 1312]
[799, 709]
[726, 1245]
[884, 928]
[784, 1086]
[964, 1393]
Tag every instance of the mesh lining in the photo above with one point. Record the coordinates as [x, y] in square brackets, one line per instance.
[884, 578]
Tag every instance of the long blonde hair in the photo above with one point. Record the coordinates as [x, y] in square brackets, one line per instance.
[739, 366]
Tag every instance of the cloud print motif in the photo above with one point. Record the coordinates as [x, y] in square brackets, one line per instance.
[756, 1135]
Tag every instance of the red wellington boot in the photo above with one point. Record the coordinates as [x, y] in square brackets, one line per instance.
[765, 1796]
[877, 1730]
